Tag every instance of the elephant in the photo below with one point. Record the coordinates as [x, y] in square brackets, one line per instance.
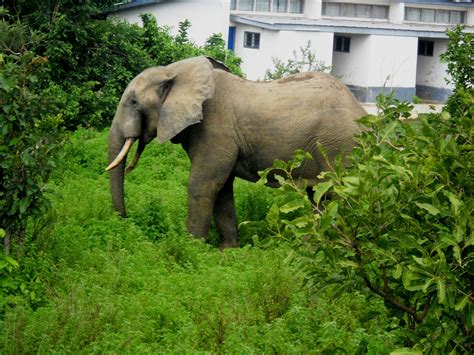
[229, 127]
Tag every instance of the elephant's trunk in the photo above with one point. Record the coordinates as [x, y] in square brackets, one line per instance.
[116, 145]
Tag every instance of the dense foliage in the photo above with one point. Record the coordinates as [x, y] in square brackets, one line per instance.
[29, 132]
[400, 225]
[394, 248]
[63, 65]
[92, 282]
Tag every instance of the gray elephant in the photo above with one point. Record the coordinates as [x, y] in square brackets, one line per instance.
[229, 127]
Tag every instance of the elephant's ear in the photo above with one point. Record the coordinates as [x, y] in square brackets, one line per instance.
[192, 84]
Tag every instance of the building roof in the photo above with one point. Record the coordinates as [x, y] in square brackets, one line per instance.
[343, 26]
[128, 4]
[461, 3]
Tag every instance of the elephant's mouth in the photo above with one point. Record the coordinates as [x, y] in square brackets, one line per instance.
[122, 154]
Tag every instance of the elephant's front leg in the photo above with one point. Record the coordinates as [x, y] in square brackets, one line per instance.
[224, 215]
[203, 188]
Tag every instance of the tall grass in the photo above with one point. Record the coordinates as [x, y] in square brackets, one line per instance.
[141, 284]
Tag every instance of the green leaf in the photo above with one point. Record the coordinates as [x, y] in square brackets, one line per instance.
[405, 351]
[273, 215]
[408, 277]
[427, 285]
[441, 289]
[397, 272]
[320, 189]
[292, 206]
[461, 303]
[430, 208]
[456, 204]
[348, 263]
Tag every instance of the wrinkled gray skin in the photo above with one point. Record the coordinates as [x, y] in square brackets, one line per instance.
[230, 128]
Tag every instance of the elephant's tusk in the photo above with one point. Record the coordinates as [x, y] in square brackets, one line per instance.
[136, 158]
[123, 153]
[134, 162]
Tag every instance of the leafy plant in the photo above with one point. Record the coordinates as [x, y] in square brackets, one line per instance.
[400, 223]
[303, 61]
[215, 47]
[460, 62]
[30, 136]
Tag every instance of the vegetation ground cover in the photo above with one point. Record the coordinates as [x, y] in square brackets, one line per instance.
[387, 264]
[100, 283]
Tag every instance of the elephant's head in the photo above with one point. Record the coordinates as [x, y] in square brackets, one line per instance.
[159, 102]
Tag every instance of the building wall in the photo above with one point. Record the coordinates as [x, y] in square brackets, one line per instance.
[353, 67]
[393, 61]
[206, 16]
[431, 74]
[375, 62]
[278, 44]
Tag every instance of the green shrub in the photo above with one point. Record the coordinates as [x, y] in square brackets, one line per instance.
[303, 61]
[30, 139]
[400, 224]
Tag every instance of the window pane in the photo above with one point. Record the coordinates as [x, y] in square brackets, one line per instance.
[262, 5]
[256, 40]
[412, 14]
[363, 11]
[246, 5]
[279, 5]
[330, 9]
[337, 43]
[427, 15]
[296, 6]
[348, 10]
[380, 12]
[425, 47]
[233, 4]
[456, 17]
[347, 44]
[442, 16]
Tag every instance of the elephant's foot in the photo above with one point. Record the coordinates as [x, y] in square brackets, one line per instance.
[228, 244]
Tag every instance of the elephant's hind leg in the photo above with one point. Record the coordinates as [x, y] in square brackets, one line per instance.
[224, 215]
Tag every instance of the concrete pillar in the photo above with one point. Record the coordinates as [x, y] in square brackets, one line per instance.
[470, 17]
[313, 9]
[396, 12]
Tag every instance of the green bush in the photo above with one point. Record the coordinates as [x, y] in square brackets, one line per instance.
[141, 284]
[302, 61]
[400, 224]
[30, 140]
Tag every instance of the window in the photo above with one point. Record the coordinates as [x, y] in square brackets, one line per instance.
[279, 6]
[342, 44]
[355, 10]
[380, 12]
[348, 10]
[427, 15]
[331, 9]
[442, 16]
[262, 5]
[296, 6]
[252, 40]
[425, 47]
[245, 5]
[412, 14]
[434, 15]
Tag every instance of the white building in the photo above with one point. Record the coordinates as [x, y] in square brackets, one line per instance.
[369, 44]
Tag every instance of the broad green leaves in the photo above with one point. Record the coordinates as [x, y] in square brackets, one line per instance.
[400, 222]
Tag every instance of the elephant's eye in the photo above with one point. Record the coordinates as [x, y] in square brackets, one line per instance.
[133, 102]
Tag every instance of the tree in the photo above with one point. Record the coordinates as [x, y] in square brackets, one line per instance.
[304, 61]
